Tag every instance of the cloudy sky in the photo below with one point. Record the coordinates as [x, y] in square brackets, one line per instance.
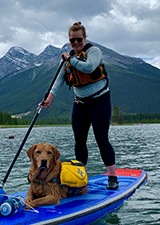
[129, 27]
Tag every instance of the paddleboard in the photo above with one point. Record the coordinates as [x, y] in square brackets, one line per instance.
[82, 209]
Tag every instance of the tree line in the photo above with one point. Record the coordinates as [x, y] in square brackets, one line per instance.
[117, 118]
[7, 119]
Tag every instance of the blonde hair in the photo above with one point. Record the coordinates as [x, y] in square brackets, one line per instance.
[77, 26]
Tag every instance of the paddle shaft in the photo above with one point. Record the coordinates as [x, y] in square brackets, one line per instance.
[31, 125]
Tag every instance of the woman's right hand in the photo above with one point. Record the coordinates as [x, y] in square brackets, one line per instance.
[47, 102]
[65, 56]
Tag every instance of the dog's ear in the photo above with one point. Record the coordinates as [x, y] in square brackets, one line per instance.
[56, 153]
[30, 151]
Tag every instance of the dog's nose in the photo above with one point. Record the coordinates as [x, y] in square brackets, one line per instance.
[43, 164]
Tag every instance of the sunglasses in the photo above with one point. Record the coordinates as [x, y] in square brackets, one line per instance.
[79, 40]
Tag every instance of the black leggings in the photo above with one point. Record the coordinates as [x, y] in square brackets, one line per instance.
[98, 114]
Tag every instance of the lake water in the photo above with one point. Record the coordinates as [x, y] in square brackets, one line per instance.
[136, 147]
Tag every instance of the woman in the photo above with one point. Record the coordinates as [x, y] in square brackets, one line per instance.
[84, 70]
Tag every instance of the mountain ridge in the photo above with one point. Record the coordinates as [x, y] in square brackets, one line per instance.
[19, 58]
[134, 83]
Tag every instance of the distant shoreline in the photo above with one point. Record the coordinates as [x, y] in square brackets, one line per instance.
[64, 125]
[26, 126]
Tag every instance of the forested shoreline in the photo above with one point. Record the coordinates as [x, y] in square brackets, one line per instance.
[117, 118]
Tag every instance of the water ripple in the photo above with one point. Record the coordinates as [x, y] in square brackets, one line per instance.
[136, 147]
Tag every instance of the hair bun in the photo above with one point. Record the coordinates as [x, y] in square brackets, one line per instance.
[77, 26]
[77, 23]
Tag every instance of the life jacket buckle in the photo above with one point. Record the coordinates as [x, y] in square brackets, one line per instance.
[78, 101]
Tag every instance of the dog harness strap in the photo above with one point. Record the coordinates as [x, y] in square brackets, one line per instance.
[73, 191]
[39, 181]
[56, 180]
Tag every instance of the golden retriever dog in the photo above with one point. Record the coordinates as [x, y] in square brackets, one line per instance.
[45, 165]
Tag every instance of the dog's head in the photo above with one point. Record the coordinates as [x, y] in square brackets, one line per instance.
[43, 155]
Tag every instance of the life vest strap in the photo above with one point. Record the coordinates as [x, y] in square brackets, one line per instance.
[90, 98]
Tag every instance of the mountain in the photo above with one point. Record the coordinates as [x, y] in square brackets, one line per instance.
[25, 77]
[18, 59]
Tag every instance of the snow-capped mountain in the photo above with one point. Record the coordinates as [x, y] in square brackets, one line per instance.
[134, 83]
[18, 59]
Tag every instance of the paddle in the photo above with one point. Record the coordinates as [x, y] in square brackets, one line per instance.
[31, 126]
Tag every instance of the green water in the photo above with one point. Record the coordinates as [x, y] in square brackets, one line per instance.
[136, 147]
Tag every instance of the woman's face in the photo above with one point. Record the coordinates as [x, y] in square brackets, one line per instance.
[77, 41]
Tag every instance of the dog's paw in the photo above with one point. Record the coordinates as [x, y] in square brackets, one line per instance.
[29, 203]
[28, 200]
[27, 207]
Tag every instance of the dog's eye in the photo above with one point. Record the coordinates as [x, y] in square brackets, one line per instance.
[38, 152]
[49, 153]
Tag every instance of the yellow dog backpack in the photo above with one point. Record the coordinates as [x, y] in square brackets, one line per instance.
[73, 175]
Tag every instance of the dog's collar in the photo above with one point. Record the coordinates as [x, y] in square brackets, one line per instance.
[39, 181]
[42, 181]
[55, 180]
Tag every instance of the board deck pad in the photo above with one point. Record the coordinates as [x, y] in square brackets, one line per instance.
[82, 209]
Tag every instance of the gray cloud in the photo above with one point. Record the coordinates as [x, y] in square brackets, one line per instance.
[127, 26]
